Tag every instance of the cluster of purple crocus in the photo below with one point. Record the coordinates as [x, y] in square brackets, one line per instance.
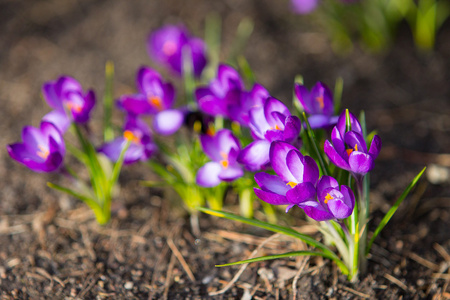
[304, 7]
[275, 131]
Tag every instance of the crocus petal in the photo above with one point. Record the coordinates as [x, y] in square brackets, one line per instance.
[136, 104]
[168, 121]
[325, 183]
[354, 139]
[231, 173]
[292, 128]
[112, 149]
[271, 183]
[316, 211]
[341, 126]
[255, 155]
[258, 122]
[198, 51]
[304, 6]
[208, 175]
[277, 154]
[338, 142]
[321, 121]
[271, 198]
[335, 157]
[302, 192]
[50, 95]
[348, 196]
[375, 147]
[322, 99]
[59, 119]
[302, 94]
[360, 163]
[274, 135]
[274, 105]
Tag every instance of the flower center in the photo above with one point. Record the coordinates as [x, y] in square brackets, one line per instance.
[43, 152]
[320, 100]
[169, 48]
[349, 151]
[210, 131]
[155, 101]
[291, 184]
[224, 162]
[74, 107]
[130, 136]
[328, 197]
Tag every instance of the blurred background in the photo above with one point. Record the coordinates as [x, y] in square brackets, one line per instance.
[403, 88]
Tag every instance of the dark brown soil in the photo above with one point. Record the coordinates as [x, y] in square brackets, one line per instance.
[50, 244]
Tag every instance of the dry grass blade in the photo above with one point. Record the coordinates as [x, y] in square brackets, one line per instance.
[243, 267]
[396, 281]
[181, 259]
[169, 276]
[359, 294]
[423, 261]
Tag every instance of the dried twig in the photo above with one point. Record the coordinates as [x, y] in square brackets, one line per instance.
[423, 261]
[181, 259]
[396, 281]
[244, 266]
[359, 294]
[169, 276]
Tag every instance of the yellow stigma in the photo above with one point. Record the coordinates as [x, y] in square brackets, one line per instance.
[224, 163]
[130, 136]
[277, 127]
[328, 197]
[291, 184]
[320, 100]
[155, 101]
[43, 152]
[210, 131]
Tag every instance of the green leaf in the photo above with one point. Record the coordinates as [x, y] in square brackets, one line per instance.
[108, 132]
[118, 165]
[278, 229]
[338, 88]
[393, 209]
[89, 201]
[277, 256]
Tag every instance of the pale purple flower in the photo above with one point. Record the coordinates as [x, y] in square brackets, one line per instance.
[155, 97]
[240, 111]
[348, 149]
[270, 122]
[167, 44]
[141, 147]
[222, 149]
[42, 149]
[318, 104]
[66, 94]
[304, 6]
[223, 92]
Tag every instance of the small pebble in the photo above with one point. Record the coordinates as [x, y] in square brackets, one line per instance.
[128, 285]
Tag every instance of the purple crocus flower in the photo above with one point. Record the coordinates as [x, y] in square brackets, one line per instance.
[240, 111]
[224, 91]
[348, 149]
[42, 149]
[296, 177]
[271, 122]
[154, 97]
[303, 7]
[318, 104]
[333, 202]
[67, 94]
[223, 149]
[167, 44]
[141, 147]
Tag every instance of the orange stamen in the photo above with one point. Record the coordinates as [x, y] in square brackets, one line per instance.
[291, 184]
[130, 136]
[210, 131]
[224, 163]
[320, 100]
[155, 101]
[349, 151]
[43, 152]
[328, 197]
[277, 127]
[74, 107]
